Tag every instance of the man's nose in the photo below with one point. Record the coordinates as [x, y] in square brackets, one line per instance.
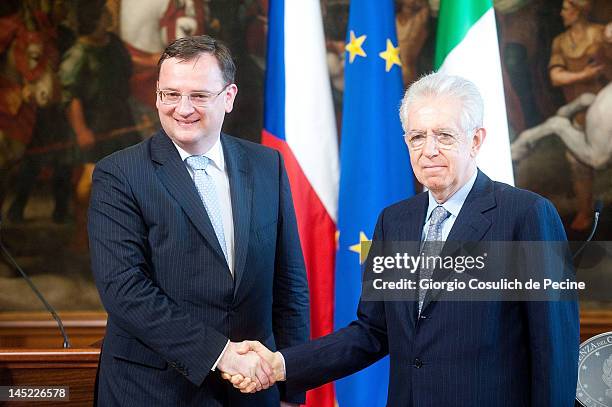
[184, 106]
[430, 148]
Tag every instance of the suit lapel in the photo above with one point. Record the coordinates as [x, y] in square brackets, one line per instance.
[410, 230]
[470, 226]
[175, 177]
[241, 190]
[414, 228]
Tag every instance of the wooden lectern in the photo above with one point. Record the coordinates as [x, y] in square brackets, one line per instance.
[75, 368]
[31, 354]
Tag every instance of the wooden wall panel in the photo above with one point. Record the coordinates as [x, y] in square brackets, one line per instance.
[38, 330]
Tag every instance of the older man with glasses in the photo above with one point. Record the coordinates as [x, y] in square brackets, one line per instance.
[451, 353]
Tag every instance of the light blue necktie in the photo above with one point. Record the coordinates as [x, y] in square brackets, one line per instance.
[432, 246]
[206, 188]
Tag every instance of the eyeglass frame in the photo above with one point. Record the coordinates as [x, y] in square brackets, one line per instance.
[211, 95]
[436, 136]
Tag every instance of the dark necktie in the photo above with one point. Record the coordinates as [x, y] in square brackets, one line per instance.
[432, 246]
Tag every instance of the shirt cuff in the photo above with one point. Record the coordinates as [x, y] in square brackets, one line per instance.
[221, 355]
[284, 366]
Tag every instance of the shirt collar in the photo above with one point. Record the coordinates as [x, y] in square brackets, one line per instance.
[455, 202]
[215, 154]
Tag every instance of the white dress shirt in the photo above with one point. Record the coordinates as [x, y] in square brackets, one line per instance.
[218, 172]
[453, 205]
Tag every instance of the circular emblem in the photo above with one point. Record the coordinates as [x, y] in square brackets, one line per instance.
[595, 372]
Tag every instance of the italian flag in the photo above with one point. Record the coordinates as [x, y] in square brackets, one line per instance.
[467, 46]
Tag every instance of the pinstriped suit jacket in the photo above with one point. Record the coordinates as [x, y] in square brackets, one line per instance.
[459, 353]
[172, 303]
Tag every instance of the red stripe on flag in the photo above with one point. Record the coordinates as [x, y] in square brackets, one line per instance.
[317, 235]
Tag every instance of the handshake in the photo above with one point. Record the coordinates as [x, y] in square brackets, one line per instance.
[251, 367]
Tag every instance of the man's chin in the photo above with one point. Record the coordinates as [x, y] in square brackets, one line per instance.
[434, 183]
[183, 139]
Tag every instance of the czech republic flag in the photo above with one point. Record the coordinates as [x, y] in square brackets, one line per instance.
[299, 122]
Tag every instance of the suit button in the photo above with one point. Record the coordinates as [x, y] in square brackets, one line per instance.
[418, 363]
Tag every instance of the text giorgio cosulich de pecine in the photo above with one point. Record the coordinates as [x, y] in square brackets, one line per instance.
[459, 264]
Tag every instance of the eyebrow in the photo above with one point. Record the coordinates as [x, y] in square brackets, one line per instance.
[439, 130]
[193, 91]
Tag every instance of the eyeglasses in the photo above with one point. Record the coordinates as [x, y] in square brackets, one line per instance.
[444, 139]
[200, 99]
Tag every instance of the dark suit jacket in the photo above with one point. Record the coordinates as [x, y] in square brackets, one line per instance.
[459, 353]
[172, 303]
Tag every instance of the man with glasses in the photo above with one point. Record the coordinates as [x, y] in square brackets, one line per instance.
[194, 247]
[445, 353]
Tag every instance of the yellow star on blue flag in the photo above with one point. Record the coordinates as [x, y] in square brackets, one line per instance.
[363, 247]
[391, 56]
[355, 46]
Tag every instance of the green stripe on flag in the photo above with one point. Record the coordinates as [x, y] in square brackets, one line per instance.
[455, 20]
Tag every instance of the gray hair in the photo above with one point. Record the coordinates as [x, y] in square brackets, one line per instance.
[439, 85]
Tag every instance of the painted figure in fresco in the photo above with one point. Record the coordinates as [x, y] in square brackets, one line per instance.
[411, 20]
[146, 27]
[590, 146]
[95, 75]
[22, 62]
[581, 64]
[51, 145]
[17, 114]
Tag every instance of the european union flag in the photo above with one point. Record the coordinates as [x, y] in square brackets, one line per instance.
[374, 168]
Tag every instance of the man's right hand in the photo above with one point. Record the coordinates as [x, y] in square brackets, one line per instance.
[239, 360]
[273, 359]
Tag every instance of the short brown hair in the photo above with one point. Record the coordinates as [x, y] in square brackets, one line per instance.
[189, 48]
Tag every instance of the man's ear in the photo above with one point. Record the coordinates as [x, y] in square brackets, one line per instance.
[477, 140]
[230, 96]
